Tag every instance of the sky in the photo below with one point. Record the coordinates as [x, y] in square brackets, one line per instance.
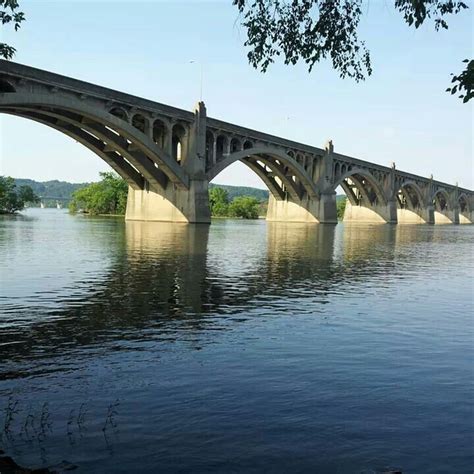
[400, 114]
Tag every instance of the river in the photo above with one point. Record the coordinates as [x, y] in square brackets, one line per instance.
[243, 346]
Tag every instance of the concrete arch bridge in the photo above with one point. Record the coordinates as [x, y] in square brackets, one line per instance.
[168, 156]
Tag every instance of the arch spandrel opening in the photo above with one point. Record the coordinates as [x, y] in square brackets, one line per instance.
[160, 133]
[179, 143]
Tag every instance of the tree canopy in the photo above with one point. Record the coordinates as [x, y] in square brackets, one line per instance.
[12, 197]
[108, 196]
[245, 207]
[9, 14]
[314, 30]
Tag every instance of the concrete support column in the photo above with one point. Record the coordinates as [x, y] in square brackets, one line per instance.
[415, 216]
[171, 204]
[308, 209]
[391, 212]
[377, 213]
[455, 213]
[214, 151]
[430, 214]
[328, 208]
[178, 204]
[168, 139]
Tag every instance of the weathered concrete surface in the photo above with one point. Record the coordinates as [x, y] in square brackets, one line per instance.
[173, 204]
[321, 210]
[446, 217]
[381, 214]
[407, 216]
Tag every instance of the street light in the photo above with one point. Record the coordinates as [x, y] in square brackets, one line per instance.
[193, 61]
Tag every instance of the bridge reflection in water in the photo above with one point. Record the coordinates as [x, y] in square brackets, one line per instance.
[158, 278]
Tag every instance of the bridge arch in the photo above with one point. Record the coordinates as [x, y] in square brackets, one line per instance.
[122, 167]
[445, 211]
[440, 200]
[412, 193]
[411, 205]
[277, 169]
[109, 127]
[360, 186]
[293, 194]
[465, 209]
[463, 202]
[366, 200]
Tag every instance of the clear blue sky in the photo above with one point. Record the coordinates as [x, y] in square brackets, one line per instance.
[399, 114]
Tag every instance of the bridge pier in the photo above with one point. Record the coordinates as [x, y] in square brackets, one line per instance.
[450, 216]
[172, 205]
[420, 215]
[308, 209]
[377, 213]
[466, 217]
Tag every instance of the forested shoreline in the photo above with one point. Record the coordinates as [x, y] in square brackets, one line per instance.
[109, 197]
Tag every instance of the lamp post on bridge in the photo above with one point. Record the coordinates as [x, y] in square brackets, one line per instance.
[193, 61]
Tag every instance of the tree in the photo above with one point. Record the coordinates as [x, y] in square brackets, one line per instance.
[108, 196]
[465, 82]
[218, 202]
[12, 198]
[313, 30]
[245, 207]
[9, 14]
[341, 207]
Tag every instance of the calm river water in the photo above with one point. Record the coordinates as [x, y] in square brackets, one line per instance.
[239, 347]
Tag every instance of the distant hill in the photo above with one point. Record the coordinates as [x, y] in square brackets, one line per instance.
[60, 190]
[234, 191]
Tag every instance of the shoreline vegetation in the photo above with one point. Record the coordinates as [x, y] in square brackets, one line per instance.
[108, 198]
[14, 198]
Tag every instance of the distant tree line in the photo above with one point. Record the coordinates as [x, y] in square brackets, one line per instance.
[53, 189]
[109, 196]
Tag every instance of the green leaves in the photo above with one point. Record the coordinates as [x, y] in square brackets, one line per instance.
[13, 199]
[416, 12]
[218, 202]
[245, 207]
[464, 82]
[9, 14]
[309, 30]
[108, 196]
[315, 30]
